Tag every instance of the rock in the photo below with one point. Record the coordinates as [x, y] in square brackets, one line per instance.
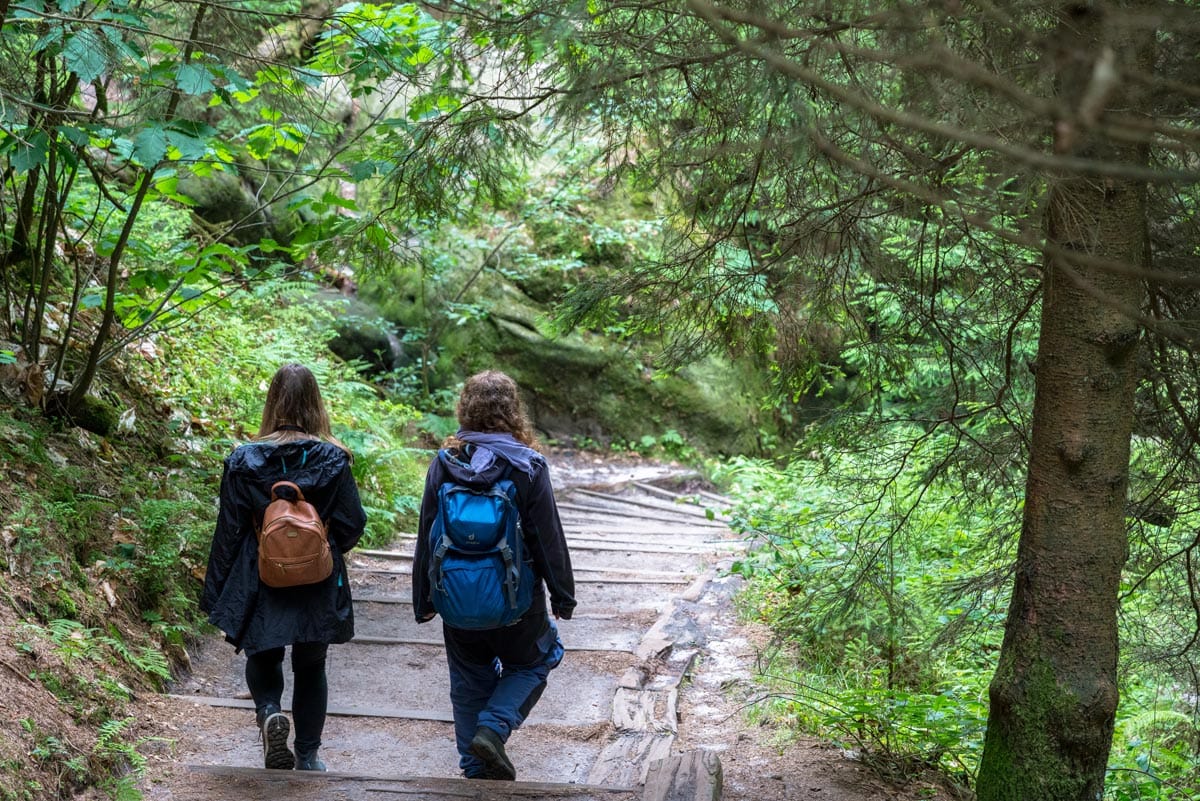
[370, 342]
[89, 413]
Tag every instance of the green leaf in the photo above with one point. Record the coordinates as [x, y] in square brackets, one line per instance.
[379, 236]
[31, 9]
[122, 147]
[423, 56]
[76, 136]
[68, 154]
[85, 55]
[193, 128]
[153, 279]
[31, 153]
[233, 81]
[334, 199]
[7, 357]
[193, 79]
[260, 141]
[310, 78]
[362, 170]
[191, 148]
[290, 138]
[150, 146]
[166, 183]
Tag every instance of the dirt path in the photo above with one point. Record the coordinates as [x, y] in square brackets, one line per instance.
[656, 664]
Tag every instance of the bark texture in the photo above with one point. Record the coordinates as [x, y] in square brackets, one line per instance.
[1054, 695]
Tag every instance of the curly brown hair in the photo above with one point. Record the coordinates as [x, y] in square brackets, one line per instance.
[491, 403]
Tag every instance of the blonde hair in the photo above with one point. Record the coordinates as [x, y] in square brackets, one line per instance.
[490, 403]
[294, 399]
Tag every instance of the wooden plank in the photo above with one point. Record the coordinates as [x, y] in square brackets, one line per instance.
[690, 776]
[368, 598]
[644, 526]
[361, 640]
[646, 710]
[661, 492]
[383, 599]
[584, 508]
[627, 759]
[684, 497]
[579, 649]
[681, 510]
[681, 665]
[382, 571]
[338, 711]
[693, 592]
[623, 509]
[625, 512]
[469, 788]
[579, 544]
[656, 642]
[589, 544]
[705, 546]
[374, 712]
[687, 533]
[712, 496]
[610, 576]
[384, 554]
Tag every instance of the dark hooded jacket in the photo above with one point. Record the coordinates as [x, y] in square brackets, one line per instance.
[545, 541]
[256, 617]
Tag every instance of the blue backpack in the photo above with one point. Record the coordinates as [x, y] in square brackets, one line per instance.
[477, 569]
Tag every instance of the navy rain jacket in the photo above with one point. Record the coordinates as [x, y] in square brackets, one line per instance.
[256, 617]
[545, 541]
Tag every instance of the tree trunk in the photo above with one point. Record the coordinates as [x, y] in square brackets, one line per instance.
[1054, 694]
[74, 403]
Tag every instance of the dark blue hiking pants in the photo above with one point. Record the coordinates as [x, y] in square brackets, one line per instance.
[496, 677]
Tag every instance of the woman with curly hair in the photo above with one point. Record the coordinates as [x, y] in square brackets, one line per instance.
[498, 674]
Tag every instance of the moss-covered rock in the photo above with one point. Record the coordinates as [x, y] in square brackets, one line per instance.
[583, 384]
[89, 412]
[224, 198]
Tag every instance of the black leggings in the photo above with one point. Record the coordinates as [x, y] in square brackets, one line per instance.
[310, 695]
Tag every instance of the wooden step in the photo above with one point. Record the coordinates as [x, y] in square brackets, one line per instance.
[258, 784]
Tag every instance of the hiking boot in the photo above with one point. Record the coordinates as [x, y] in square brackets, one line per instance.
[275, 730]
[309, 762]
[488, 746]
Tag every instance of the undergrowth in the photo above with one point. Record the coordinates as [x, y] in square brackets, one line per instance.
[888, 606]
[106, 539]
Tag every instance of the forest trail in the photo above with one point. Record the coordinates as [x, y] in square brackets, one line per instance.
[654, 634]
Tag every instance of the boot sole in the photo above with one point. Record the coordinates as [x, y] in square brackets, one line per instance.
[276, 753]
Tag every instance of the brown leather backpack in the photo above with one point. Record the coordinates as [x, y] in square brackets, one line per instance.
[293, 548]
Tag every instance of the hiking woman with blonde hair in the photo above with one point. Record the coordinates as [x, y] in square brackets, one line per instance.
[294, 443]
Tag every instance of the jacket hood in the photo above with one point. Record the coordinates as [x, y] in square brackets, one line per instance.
[459, 465]
[319, 460]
